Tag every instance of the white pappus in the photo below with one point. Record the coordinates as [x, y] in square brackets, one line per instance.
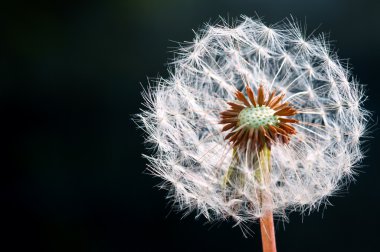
[182, 113]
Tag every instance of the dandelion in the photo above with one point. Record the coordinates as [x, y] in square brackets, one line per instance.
[254, 121]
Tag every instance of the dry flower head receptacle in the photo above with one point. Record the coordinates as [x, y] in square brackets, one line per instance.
[258, 122]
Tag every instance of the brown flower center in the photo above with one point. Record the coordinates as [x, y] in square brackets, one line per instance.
[255, 122]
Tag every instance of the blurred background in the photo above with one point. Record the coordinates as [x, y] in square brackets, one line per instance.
[73, 175]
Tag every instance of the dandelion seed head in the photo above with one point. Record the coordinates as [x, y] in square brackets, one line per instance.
[315, 139]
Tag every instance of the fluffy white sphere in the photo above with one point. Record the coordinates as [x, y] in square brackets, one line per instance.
[190, 153]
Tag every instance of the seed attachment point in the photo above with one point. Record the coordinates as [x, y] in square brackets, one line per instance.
[263, 121]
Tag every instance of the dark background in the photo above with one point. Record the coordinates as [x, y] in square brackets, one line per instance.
[72, 169]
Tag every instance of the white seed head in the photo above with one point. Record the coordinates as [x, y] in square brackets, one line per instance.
[190, 153]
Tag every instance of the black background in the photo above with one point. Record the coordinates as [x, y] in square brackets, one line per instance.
[72, 169]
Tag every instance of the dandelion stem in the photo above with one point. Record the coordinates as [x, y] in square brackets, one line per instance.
[266, 221]
[267, 232]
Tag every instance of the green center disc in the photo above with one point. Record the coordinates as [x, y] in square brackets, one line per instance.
[255, 117]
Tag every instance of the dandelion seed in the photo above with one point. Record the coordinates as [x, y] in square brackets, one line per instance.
[254, 121]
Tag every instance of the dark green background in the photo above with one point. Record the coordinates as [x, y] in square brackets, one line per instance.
[72, 168]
